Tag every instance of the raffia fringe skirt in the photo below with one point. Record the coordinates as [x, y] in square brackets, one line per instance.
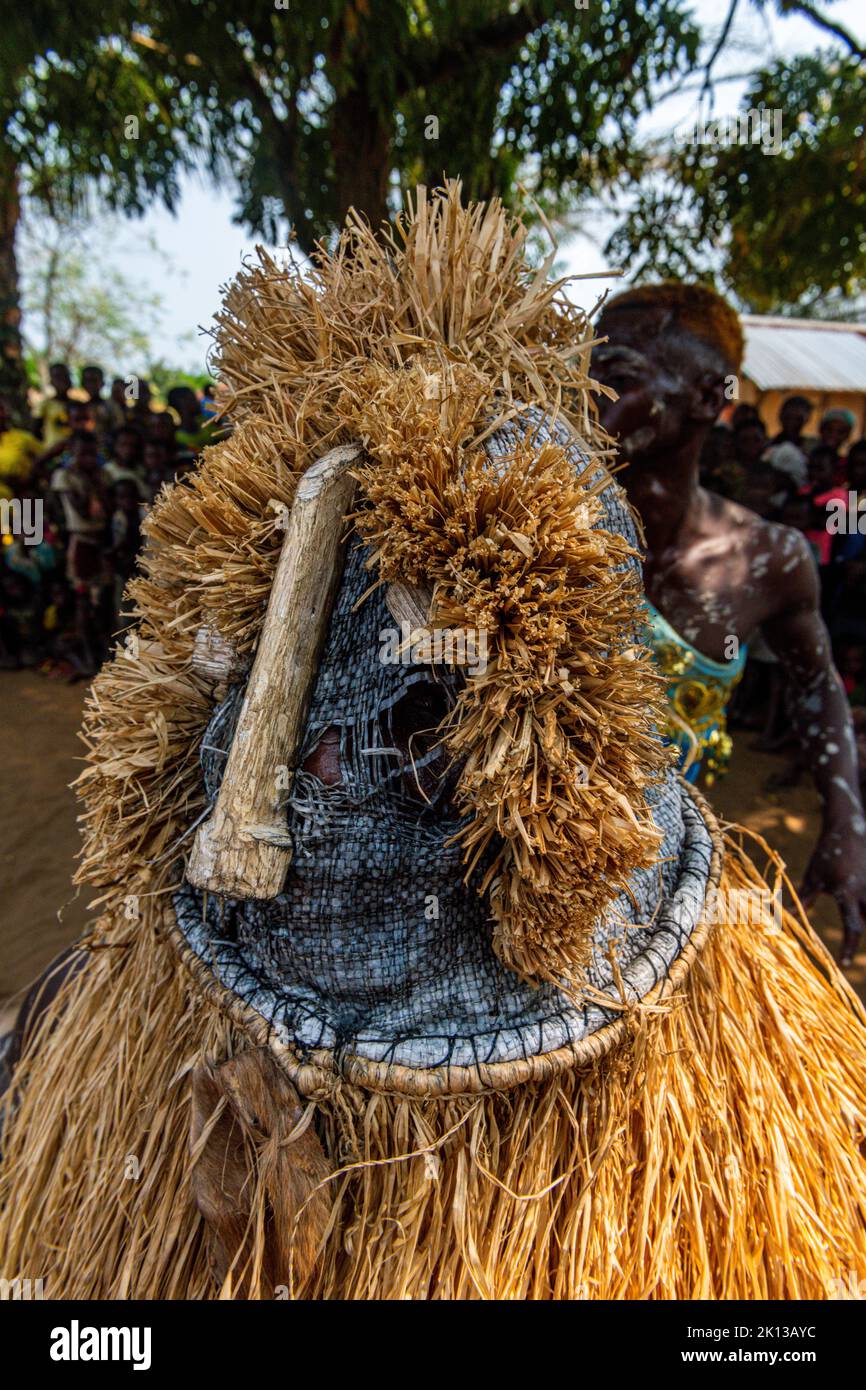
[717, 1152]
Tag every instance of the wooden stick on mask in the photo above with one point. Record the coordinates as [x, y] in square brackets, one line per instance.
[243, 849]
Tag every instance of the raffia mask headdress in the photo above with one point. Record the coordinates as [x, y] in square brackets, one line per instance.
[443, 383]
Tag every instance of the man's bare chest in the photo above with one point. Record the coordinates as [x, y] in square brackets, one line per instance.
[712, 592]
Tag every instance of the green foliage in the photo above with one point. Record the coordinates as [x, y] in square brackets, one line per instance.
[560, 109]
[782, 231]
[331, 103]
[162, 377]
[70, 81]
[82, 302]
[315, 104]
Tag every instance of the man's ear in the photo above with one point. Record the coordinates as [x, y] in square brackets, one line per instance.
[710, 397]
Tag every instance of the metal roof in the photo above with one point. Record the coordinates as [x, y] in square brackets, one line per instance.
[800, 353]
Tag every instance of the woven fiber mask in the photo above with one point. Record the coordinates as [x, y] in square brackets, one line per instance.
[379, 950]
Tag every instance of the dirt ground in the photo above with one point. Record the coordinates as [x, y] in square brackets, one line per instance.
[40, 911]
[789, 821]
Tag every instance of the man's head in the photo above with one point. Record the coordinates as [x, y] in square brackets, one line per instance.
[125, 496]
[58, 375]
[85, 455]
[672, 351]
[857, 466]
[127, 445]
[155, 462]
[836, 426]
[162, 429]
[822, 466]
[184, 400]
[92, 381]
[750, 441]
[744, 414]
[80, 416]
[793, 415]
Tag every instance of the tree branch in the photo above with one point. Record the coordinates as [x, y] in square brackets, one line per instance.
[427, 69]
[719, 45]
[248, 77]
[828, 25]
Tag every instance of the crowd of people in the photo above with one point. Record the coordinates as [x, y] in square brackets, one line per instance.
[800, 479]
[94, 460]
[84, 474]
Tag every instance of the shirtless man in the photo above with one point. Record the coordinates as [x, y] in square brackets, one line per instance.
[714, 569]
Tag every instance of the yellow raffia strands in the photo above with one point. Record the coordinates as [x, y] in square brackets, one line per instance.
[719, 1154]
[418, 341]
[556, 737]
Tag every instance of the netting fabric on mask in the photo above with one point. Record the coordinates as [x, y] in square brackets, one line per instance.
[376, 948]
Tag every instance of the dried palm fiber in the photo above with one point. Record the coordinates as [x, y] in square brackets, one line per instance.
[715, 1150]
[422, 341]
[557, 737]
[718, 1153]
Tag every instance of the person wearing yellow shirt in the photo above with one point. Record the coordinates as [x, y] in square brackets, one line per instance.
[19, 451]
[54, 414]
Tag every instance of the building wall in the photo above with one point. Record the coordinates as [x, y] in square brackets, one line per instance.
[768, 403]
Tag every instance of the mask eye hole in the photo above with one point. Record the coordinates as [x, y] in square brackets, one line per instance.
[413, 725]
[324, 760]
[416, 717]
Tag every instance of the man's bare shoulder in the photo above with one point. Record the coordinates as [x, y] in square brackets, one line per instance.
[785, 548]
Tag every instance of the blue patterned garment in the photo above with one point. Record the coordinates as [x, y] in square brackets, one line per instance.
[699, 690]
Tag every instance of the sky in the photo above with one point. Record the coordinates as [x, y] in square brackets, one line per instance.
[201, 248]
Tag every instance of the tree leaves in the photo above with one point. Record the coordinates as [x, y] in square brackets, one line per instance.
[782, 231]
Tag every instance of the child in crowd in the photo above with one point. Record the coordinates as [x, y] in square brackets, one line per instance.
[61, 661]
[141, 411]
[163, 431]
[125, 536]
[210, 406]
[156, 465]
[116, 403]
[85, 509]
[732, 467]
[92, 382]
[835, 431]
[821, 491]
[80, 416]
[194, 432]
[54, 417]
[125, 462]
